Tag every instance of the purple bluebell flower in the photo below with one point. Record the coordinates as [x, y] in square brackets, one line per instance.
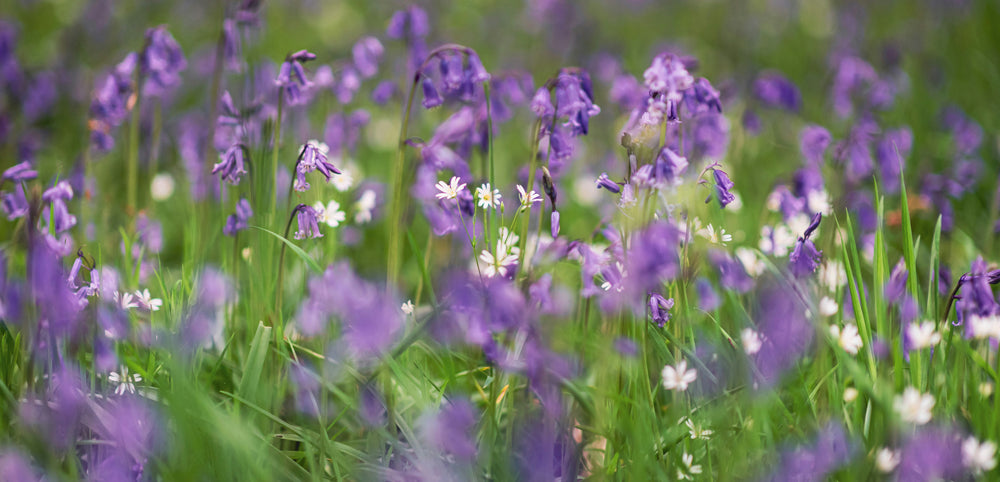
[805, 257]
[977, 295]
[238, 222]
[554, 224]
[343, 131]
[852, 75]
[370, 320]
[56, 414]
[896, 286]
[807, 180]
[667, 78]
[451, 430]
[411, 26]
[313, 158]
[133, 432]
[967, 135]
[732, 274]
[626, 347]
[15, 204]
[722, 186]
[659, 308]
[891, 153]
[776, 91]
[57, 196]
[292, 77]
[751, 122]
[231, 46]
[652, 259]
[232, 165]
[15, 466]
[669, 166]
[856, 151]
[604, 182]
[307, 388]
[19, 172]
[307, 218]
[784, 329]
[432, 98]
[708, 299]
[574, 101]
[367, 53]
[384, 91]
[932, 453]
[348, 85]
[161, 61]
[813, 142]
[40, 95]
[814, 461]
[477, 73]
[541, 103]
[371, 406]
[112, 100]
[408, 24]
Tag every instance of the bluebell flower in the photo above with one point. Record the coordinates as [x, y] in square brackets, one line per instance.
[776, 91]
[659, 308]
[238, 221]
[161, 61]
[292, 77]
[308, 220]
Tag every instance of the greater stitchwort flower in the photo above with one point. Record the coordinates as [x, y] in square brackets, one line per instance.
[678, 377]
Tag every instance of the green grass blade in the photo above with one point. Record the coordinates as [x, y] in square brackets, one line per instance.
[295, 249]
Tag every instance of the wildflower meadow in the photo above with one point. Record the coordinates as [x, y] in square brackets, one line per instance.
[540, 240]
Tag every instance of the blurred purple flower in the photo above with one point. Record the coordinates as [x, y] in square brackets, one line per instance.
[813, 142]
[814, 461]
[238, 222]
[659, 309]
[14, 466]
[722, 186]
[896, 286]
[891, 153]
[783, 327]
[932, 453]
[732, 274]
[231, 166]
[774, 90]
[161, 61]
[708, 299]
[367, 53]
[15, 204]
[308, 221]
[292, 77]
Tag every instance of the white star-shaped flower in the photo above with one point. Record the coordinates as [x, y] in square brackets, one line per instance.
[449, 191]
[124, 381]
[848, 338]
[527, 198]
[330, 214]
[980, 457]
[914, 407]
[678, 377]
[751, 341]
[487, 197]
[147, 302]
[922, 335]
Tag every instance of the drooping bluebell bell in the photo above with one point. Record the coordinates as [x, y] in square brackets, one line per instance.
[967, 135]
[308, 221]
[659, 308]
[776, 91]
[161, 62]
[292, 77]
[604, 182]
[313, 157]
[133, 432]
[56, 210]
[669, 166]
[855, 152]
[722, 186]
[805, 257]
[784, 329]
[15, 204]
[751, 122]
[232, 46]
[343, 131]
[111, 102]
[232, 165]
[238, 221]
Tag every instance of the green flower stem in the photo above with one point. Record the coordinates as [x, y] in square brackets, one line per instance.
[396, 210]
[281, 265]
[132, 159]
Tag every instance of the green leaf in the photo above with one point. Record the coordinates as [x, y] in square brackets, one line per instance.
[255, 362]
[295, 249]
